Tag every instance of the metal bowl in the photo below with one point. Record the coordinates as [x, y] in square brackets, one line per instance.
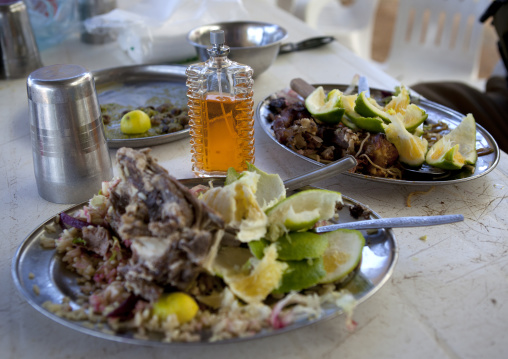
[251, 43]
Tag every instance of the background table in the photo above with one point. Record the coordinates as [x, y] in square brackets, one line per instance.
[447, 296]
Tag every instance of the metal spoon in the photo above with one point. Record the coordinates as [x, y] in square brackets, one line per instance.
[425, 171]
[397, 222]
[342, 165]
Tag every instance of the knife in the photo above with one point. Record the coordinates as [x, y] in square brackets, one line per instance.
[305, 44]
[397, 222]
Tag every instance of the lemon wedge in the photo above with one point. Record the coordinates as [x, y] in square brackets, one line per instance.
[239, 207]
[302, 274]
[325, 108]
[373, 124]
[412, 149]
[368, 107]
[301, 211]
[249, 279]
[411, 115]
[457, 148]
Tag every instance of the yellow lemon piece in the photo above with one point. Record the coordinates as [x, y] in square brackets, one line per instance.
[135, 122]
[325, 108]
[343, 254]
[301, 211]
[253, 280]
[412, 116]
[399, 102]
[238, 206]
[412, 149]
[457, 148]
[182, 305]
[270, 188]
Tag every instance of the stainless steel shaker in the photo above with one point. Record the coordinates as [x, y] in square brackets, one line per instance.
[70, 153]
[19, 51]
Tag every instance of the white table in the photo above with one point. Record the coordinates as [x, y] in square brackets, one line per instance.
[445, 299]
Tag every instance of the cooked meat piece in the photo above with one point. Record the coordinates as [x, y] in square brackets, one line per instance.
[381, 152]
[170, 231]
[328, 153]
[276, 105]
[282, 125]
[346, 139]
[97, 239]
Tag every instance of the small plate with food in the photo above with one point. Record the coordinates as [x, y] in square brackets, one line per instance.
[143, 105]
[176, 263]
[395, 137]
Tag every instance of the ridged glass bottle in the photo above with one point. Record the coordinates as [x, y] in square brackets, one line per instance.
[220, 100]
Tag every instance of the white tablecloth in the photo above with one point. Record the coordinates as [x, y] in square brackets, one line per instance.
[445, 299]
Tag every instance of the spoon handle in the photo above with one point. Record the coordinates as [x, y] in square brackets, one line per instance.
[397, 222]
[342, 165]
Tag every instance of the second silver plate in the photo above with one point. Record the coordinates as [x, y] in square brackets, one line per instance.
[138, 85]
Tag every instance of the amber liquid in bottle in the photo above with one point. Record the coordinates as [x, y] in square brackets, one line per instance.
[226, 133]
[221, 115]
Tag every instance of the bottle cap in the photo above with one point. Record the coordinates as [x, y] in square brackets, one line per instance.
[217, 37]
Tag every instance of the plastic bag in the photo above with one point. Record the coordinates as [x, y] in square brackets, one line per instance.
[155, 31]
[52, 20]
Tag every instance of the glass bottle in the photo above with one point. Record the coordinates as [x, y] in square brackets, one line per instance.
[220, 100]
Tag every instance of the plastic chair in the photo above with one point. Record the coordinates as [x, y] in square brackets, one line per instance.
[436, 40]
[351, 24]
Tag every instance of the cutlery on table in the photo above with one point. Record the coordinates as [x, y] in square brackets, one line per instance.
[396, 222]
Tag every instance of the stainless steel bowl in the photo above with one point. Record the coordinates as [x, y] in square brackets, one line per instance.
[251, 43]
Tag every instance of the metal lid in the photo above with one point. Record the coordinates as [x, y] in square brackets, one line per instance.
[59, 84]
[218, 48]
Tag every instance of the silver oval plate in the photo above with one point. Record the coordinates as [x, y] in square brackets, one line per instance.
[436, 113]
[36, 267]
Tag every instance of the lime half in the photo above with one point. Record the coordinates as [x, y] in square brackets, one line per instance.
[343, 254]
[325, 108]
[301, 211]
[301, 275]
